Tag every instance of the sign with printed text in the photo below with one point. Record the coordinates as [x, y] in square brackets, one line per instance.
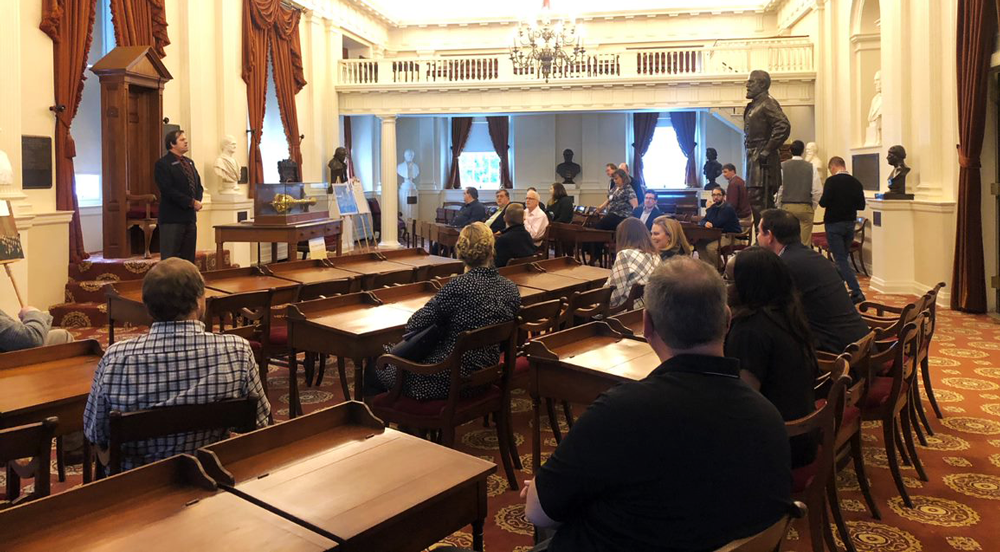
[317, 248]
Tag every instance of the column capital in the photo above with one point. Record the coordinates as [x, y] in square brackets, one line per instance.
[387, 117]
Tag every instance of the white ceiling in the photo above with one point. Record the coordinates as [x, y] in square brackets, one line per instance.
[409, 12]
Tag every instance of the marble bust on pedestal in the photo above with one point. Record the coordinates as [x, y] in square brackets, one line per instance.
[408, 189]
[227, 168]
[811, 155]
[873, 134]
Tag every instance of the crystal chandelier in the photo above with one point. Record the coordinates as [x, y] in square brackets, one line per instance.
[551, 47]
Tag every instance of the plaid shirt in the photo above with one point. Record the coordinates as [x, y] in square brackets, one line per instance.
[631, 267]
[177, 363]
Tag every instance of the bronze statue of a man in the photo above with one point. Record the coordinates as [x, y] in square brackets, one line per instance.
[765, 128]
[712, 169]
[338, 167]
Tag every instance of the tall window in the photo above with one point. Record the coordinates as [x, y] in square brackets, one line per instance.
[664, 164]
[273, 144]
[479, 163]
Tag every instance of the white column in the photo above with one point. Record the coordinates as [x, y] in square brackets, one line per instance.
[10, 102]
[390, 188]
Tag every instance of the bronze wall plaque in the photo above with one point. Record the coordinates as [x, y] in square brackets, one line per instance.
[36, 162]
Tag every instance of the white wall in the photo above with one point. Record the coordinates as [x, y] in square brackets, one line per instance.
[727, 141]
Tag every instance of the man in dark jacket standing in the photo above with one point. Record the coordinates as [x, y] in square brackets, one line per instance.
[843, 196]
[180, 199]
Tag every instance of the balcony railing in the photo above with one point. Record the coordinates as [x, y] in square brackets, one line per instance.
[724, 59]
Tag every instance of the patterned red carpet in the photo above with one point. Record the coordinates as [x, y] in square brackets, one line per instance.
[958, 509]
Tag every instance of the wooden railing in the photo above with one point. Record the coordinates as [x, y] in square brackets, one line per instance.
[722, 58]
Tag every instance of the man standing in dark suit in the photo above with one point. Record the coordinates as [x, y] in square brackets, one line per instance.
[180, 199]
[832, 317]
[648, 211]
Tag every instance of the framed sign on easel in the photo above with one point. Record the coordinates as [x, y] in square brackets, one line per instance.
[348, 203]
[10, 244]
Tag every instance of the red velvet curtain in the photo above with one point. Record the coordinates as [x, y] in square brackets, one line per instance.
[141, 23]
[270, 28]
[70, 25]
[977, 29]
[685, 124]
[461, 127]
[500, 136]
[349, 146]
[289, 77]
[643, 127]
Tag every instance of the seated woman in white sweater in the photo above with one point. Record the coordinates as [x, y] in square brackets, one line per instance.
[635, 261]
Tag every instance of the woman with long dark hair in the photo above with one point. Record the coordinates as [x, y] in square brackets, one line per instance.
[770, 336]
[560, 205]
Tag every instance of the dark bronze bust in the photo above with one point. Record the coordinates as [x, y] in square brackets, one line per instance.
[338, 167]
[568, 170]
[288, 171]
[897, 178]
[712, 169]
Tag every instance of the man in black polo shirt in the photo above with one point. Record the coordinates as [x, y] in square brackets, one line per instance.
[688, 459]
[834, 321]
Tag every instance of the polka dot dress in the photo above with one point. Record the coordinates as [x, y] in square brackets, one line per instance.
[478, 298]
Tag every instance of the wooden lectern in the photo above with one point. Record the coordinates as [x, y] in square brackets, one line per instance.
[132, 80]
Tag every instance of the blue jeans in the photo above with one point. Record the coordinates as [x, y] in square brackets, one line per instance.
[839, 236]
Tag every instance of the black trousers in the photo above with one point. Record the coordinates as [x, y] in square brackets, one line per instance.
[178, 240]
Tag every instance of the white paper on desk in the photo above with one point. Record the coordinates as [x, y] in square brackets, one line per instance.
[317, 248]
[4, 209]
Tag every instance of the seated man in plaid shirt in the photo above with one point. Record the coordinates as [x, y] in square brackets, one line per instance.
[177, 363]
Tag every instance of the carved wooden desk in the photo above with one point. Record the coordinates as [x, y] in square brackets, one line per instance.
[579, 364]
[309, 272]
[291, 234]
[529, 295]
[339, 471]
[569, 238]
[163, 507]
[628, 323]
[367, 266]
[696, 232]
[572, 268]
[252, 278]
[553, 285]
[48, 381]
[422, 260]
[125, 305]
[355, 326]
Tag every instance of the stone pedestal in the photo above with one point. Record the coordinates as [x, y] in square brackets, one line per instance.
[222, 211]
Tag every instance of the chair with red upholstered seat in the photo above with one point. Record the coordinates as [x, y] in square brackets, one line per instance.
[247, 315]
[32, 441]
[856, 252]
[856, 362]
[445, 415]
[889, 396]
[322, 290]
[810, 483]
[143, 212]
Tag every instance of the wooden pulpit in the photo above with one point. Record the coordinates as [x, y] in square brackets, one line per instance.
[132, 80]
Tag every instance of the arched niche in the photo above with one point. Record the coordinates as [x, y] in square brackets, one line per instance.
[866, 61]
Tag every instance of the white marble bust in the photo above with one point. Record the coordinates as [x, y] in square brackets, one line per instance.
[408, 169]
[6, 170]
[873, 134]
[227, 168]
[812, 155]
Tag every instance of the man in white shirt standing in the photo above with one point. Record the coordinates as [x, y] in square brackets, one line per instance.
[535, 219]
[800, 190]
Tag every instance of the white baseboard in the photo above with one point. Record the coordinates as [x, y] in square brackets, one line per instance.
[909, 288]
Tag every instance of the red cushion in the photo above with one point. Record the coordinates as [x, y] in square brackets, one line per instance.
[802, 477]
[279, 336]
[878, 392]
[887, 366]
[819, 240]
[521, 365]
[432, 409]
[851, 415]
[140, 212]
[255, 346]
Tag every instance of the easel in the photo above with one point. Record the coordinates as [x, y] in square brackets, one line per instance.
[365, 217]
[10, 245]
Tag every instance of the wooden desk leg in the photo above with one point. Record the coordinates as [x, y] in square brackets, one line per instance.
[359, 378]
[477, 534]
[218, 254]
[294, 407]
[293, 251]
[536, 435]
[274, 253]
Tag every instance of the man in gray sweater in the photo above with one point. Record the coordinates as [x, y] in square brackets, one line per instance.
[34, 329]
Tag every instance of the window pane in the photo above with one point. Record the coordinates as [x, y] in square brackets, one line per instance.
[664, 164]
[480, 169]
[88, 189]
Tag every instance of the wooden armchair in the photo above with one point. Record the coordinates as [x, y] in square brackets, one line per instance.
[810, 483]
[236, 414]
[770, 539]
[925, 346]
[584, 306]
[32, 441]
[247, 315]
[634, 294]
[736, 243]
[821, 242]
[444, 415]
[144, 216]
[888, 396]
